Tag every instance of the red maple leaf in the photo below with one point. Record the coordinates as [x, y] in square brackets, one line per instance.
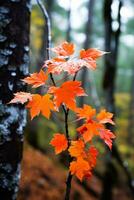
[66, 93]
[59, 142]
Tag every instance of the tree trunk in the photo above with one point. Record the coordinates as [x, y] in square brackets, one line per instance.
[131, 113]
[14, 61]
[68, 34]
[87, 42]
[111, 45]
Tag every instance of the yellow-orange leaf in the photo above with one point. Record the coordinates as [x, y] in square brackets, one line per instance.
[80, 168]
[105, 117]
[41, 104]
[86, 112]
[21, 97]
[36, 79]
[59, 142]
[65, 49]
[77, 148]
[66, 93]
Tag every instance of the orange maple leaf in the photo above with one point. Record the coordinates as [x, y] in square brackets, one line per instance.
[90, 56]
[91, 53]
[77, 148]
[59, 142]
[66, 93]
[41, 104]
[36, 79]
[21, 97]
[65, 49]
[89, 130]
[86, 112]
[92, 156]
[107, 136]
[105, 117]
[80, 168]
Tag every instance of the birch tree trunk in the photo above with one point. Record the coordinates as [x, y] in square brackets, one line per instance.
[14, 61]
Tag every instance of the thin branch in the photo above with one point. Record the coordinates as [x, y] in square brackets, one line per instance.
[68, 188]
[48, 27]
[69, 178]
[48, 30]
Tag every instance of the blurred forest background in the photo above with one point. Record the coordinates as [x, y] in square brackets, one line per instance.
[107, 25]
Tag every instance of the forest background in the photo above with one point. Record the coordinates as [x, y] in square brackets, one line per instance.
[109, 26]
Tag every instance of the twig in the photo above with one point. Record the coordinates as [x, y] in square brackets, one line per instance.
[48, 27]
[69, 178]
[68, 188]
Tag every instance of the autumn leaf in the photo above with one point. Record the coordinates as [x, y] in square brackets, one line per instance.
[36, 79]
[92, 156]
[55, 65]
[59, 142]
[66, 93]
[70, 66]
[80, 168]
[41, 104]
[77, 148]
[105, 117]
[89, 130]
[90, 56]
[65, 49]
[86, 112]
[91, 53]
[58, 65]
[107, 136]
[21, 97]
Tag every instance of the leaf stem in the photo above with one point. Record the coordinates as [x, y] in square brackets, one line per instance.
[66, 111]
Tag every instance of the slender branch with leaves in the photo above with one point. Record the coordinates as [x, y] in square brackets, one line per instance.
[82, 153]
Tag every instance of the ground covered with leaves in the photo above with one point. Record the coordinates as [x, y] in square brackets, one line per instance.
[44, 179]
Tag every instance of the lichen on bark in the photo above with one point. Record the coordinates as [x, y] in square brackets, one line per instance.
[14, 63]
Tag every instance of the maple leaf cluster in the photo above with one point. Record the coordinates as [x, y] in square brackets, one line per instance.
[83, 153]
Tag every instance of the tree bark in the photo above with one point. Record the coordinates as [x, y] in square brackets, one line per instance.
[110, 67]
[14, 61]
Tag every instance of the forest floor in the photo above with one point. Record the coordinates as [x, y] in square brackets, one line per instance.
[42, 179]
